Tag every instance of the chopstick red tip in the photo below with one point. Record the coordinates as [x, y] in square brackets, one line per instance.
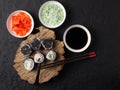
[92, 54]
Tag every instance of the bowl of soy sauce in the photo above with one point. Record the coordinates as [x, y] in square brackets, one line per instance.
[77, 38]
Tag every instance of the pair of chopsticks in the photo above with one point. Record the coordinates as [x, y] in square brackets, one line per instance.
[80, 57]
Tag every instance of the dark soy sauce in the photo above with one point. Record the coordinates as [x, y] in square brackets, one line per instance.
[76, 38]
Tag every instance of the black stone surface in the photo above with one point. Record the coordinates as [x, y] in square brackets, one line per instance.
[101, 17]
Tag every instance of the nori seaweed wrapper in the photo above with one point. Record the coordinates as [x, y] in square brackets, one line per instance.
[36, 44]
[47, 43]
[26, 50]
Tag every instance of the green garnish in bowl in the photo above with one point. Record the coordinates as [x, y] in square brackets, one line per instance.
[52, 14]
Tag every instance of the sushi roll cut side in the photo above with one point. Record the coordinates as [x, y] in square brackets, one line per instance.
[29, 64]
[38, 57]
[51, 55]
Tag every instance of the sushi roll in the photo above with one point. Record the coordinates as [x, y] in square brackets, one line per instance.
[36, 44]
[26, 50]
[38, 57]
[29, 64]
[47, 43]
[51, 55]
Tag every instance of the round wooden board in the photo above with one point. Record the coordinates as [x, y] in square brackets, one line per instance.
[43, 75]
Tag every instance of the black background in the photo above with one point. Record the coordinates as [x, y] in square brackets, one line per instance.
[101, 17]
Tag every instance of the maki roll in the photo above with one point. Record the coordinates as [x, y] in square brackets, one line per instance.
[51, 55]
[38, 57]
[36, 44]
[29, 64]
[47, 43]
[26, 50]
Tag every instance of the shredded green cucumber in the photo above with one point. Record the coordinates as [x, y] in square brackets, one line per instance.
[52, 14]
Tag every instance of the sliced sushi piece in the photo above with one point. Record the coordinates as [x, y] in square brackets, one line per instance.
[47, 43]
[51, 55]
[36, 44]
[26, 50]
[29, 64]
[38, 57]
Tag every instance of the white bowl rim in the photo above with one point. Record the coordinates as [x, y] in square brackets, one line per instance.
[53, 2]
[88, 40]
[8, 19]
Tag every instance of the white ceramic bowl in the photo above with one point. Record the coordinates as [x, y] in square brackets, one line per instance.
[88, 38]
[9, 24]
[50, 11]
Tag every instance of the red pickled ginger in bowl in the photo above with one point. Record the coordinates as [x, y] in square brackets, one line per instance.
[20, 23]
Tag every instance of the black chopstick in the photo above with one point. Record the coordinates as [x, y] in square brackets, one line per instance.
[80, 57]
